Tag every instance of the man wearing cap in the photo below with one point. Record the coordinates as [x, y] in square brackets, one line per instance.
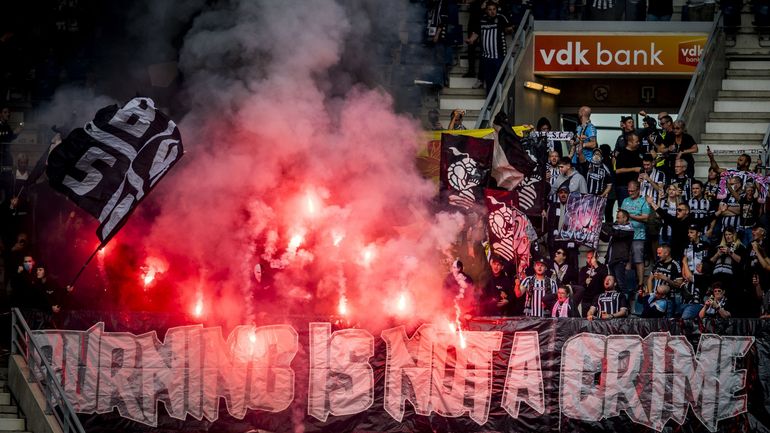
[539, 290]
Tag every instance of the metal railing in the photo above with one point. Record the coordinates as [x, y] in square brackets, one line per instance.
[496, 99]
[705, 82]
[41, 373]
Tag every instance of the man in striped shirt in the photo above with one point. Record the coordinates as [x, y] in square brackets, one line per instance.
[651, 180]
[552, 173]
[597, 175]
[692, 274]
[666, 271]
[539, 289]
[701, 208]
[493, 28]
[609, 305]
[729, 212]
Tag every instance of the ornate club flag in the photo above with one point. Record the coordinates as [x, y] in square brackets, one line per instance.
[583, 220]
[532, 191]
[107, 167]
[465, 166]
[510, 232]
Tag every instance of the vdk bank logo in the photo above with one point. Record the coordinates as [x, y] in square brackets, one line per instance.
[689, 52]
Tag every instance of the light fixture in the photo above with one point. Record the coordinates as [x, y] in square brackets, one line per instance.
[533, 85]
[551, 90]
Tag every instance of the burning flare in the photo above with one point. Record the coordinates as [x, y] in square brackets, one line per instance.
[342, 307]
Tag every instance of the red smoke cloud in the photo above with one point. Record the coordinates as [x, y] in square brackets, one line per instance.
[321, 191]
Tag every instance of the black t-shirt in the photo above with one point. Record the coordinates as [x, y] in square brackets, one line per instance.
[687, 143]
[497, 288]
[627, 159]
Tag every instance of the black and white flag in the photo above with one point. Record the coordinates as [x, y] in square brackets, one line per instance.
[107, 167]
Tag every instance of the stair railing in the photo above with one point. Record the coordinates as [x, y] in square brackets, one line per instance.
[41, 372]
[496, 99]
[705, 82]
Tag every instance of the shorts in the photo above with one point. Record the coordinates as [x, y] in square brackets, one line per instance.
[637, 251]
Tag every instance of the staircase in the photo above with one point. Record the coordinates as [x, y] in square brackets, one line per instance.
[11, 418]
[740, 115]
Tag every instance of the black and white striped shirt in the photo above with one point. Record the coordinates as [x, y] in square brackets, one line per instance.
[603, 4]
[536, 290]
[598, 177]
[701, 208]
[665, 230]
[671, 270]
[610, 302]
[734, 221]
[493, 36]
[554, 170]
[645, 187]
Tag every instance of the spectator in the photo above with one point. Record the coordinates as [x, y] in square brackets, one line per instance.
[609, 161]
[699, 10]
[681, 179]
[743, 163]
[638, 211]
[585, 136]
[711, 187]
[649, 136]
[628, 165]
[492, 30]
[729, 212]
[651, 180]
[498, 292]
[669, 206]
[555, 218]
[457, 120]
[680, 146]
[564, 305]
[434, 120]
[619, 237]
[475, 11]
[598, 176]
[728, 259]
[716, 305]
[564, 268]
[609, 305]
[693, 276]
[591, 280]
[654, 305]
[604, 10]
[552, 174]
[25, 294]
[750, 209]
[666, 125]
[539, 291]
[627, 127]
[679, 224]
[665, 271]
[569, 178]
[701, 208]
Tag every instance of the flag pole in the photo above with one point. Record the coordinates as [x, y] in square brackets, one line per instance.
[83, 268]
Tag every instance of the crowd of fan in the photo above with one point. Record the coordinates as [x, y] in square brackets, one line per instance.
[673, 248]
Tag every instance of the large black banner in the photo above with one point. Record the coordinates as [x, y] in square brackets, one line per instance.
[505, 375]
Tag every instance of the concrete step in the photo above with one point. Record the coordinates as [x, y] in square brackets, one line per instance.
[743, 94]
[736, 127]
[5, 398]
[750, 64]
[453, 92]
[727, 116]
[722, 137]
[748, 73]
[8, 409]
[12, 424]
[751, 106]
[460, 82]
[746, 85]
[466, 103]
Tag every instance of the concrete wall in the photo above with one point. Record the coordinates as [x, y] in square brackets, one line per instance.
[532, 105]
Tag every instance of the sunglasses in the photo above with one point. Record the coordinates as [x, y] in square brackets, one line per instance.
[681, 210]
[559, 253]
